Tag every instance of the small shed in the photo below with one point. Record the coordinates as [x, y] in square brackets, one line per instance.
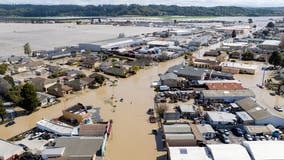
[187, 110]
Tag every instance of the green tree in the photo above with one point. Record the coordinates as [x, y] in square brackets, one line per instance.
[10, 80]
[3, 68]
[270, 25]
[247, 56]
[27, 49]
[250, 21]
[2, 110]
[14, 94]
[29, 98]
[234, 34]
[135, 68]
[275, 59]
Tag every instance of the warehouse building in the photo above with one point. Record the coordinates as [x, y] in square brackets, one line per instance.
[265, 150]
[228, 96]
[112, 44]
[8, 150]
[228, 152]
[188, 153]
[260, 114]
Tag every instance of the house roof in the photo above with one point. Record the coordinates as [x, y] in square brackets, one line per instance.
[224, 86]
[42, 96]
[80, 146]
[60, 87]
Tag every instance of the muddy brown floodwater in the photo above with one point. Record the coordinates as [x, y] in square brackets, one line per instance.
[131, 133]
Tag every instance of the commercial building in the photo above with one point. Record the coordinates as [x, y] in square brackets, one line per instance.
[224, 86]
[157, 43]
[228, 152]
[228, 96]
[203, 131]
[56, 128]
[260, 114]
[220, 118]
[112, 44]
[9, 150]
[265, 150]
[178, 135]
[188, 153]
[260, 129]
[82, 148]
[237, 68]
[270, 45]
[244, 118]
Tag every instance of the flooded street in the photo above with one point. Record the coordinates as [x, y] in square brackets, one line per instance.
[131, 134]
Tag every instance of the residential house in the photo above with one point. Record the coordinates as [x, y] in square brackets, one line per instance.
[59, 90]
[89, 62]
[80, 84]
[45, 99]
[41, 84]
[73, 73]
[77, 113]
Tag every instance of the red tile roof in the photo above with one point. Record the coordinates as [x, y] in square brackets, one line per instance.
[224, 86]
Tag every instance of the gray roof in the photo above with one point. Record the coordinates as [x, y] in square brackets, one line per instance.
[185, 70]
[187, 108]
[180, 136]
[244, 116]
[41, 96]
[205, 128]
[227, 93]
[79, 146]
[221, 116]
[169, 76]
[176, 128]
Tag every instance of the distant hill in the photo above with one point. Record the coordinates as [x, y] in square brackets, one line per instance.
[121, 10]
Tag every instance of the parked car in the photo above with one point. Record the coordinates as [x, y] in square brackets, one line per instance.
[248, 137]
[150, 111]
[223, 131]
[10, 123]
[225, 139]
[238, 132]
[256, 138]
[278, 108]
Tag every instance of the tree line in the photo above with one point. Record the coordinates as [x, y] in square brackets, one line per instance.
[121, 10]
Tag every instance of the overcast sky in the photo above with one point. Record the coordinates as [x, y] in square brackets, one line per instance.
[246, 3]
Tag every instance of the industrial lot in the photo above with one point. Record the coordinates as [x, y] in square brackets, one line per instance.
[202, 90]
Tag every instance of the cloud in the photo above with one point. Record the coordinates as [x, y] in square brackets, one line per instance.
[250, 3]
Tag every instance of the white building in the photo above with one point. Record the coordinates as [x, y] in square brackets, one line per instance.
[271, 45]
[188, 153]
[220, 118]
[260, 114]
[265, 150]
[9, 150]
[228, 152]
[234, 67]
[56, 128]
